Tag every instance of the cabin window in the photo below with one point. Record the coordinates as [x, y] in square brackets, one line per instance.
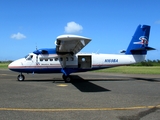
[56, 59]
[66, 58]
[61, 59]
[51, 59]
[46, 59]
[83, 59]
[41, 59]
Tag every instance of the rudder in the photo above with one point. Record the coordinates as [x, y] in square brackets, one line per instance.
[139, 41]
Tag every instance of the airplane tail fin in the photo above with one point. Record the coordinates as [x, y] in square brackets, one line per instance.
[139, 42]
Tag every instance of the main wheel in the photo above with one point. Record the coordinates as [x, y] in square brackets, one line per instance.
[20, 77]
[67, 79]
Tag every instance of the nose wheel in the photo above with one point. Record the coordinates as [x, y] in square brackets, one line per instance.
[20, 77]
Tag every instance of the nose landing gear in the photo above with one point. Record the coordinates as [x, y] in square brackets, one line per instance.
[20, 77]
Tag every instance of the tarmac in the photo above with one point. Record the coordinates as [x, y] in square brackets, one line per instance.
[91, 95]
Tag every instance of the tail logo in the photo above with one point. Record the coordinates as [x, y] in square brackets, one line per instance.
[143, 41]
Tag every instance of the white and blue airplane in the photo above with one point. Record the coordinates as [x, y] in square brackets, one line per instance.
[66, 59]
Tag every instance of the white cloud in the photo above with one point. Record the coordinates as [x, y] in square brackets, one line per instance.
[18, 36]
[73, 27]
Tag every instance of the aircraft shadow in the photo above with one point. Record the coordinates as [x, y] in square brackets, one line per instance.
[86, 86]
[147, 79]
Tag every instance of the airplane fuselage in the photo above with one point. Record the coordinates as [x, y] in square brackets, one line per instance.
[53, 63]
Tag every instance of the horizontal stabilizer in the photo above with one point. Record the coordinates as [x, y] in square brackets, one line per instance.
[150, 48]
[145, 48]
[122, 51]
[141, 51]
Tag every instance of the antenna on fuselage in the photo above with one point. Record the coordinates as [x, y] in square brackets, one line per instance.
[36, 47]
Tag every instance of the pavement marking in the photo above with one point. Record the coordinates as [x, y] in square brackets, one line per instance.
[76, 109]
[3, 74]
[7, 75]
[62, 85]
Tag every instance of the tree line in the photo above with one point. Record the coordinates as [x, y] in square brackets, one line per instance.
[8, 61]
[148, 63]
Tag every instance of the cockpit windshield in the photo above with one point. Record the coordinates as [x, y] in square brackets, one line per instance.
[28, 57]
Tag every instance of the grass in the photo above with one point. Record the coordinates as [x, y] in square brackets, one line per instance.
[133, 70]
[4, 65]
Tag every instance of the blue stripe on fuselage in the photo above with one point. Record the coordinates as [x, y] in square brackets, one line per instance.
[37, 70]
[45, 51]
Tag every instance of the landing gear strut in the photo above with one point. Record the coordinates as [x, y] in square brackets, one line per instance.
[20, 77]
[67, 78]
[66, 74]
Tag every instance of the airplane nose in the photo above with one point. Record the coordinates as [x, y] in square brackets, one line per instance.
[11, 65]
[15, 64]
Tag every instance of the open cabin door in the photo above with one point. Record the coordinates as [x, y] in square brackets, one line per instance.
[85, 61]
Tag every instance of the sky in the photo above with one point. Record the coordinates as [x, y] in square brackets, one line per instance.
[27, 24]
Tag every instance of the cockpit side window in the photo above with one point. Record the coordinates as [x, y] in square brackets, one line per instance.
[29, 57]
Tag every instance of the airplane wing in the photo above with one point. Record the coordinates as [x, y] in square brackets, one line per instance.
[70, 44]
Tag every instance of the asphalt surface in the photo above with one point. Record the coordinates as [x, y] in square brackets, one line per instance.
[94, 96]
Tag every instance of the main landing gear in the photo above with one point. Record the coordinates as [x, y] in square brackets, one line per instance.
[20, 77]
[66, 74]
[67, 78]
